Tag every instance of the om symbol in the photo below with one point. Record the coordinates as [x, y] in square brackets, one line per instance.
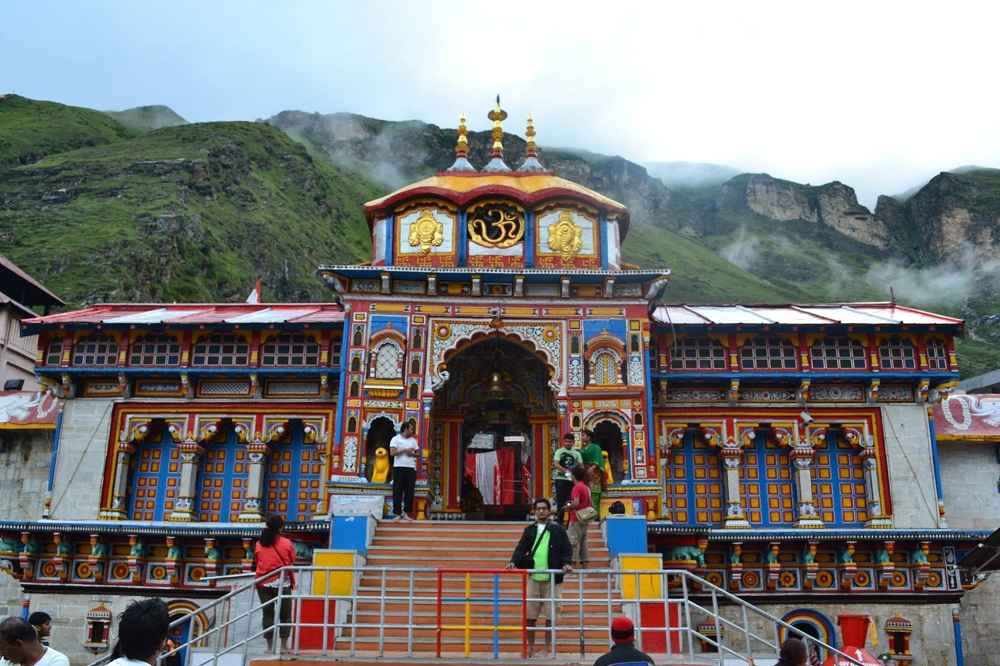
[497, 226]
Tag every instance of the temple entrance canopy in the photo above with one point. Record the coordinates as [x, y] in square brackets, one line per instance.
[497, 392]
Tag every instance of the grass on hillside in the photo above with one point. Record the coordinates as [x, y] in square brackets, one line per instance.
[31, 129]
[147, 118]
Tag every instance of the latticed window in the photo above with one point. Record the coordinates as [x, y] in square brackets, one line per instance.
[605, 368]
[698, 354]
[54, 354]
[290, 350]
[221, 350]
[897, 353]
[95, 350]
[387, 363]
[335, 345]
[767, 353]
[838, 354]
[156, 350]
[937, 355]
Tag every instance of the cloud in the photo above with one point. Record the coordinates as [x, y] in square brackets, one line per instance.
[950, 284]
[742, 251]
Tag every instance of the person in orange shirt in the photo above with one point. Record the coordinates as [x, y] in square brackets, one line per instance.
[272, 552]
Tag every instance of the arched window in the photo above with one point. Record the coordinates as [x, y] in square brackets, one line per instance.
[605, 368]
[222, 479]
[839, 482]
[694, 485]
[54, 354]
[335, 349]
[838, 354]
[290, 350]
[156, 349]
[418, 339]
[95, 350]
[358, 337]
[413, 392]
[698, 354]
[937, 355]
[154, 478]
[766, 487]
[387, 361]
[897, 353]
[352, 424]
[767, 354]
[355, 390]
[294, 474]
[415, 366]
[356, 363]
[221, 349]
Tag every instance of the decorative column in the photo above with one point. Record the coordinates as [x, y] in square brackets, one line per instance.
[873, 486]
[136, 553]
[190, 453]
[802, 455]
[257, 452]
[731, 454]
[123, 459]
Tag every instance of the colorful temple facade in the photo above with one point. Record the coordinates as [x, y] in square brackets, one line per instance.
[782, 451]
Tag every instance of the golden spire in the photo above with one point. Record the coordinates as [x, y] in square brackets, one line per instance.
[462, 145]
[531, 150]
[497, 115]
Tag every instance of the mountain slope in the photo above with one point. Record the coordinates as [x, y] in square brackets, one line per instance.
[146, 118]
[190, 213]
[30, 129]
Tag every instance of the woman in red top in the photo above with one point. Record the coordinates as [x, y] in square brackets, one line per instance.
[272, 552]
[579, 498]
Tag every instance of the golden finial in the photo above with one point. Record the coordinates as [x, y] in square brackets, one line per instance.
[497, 115]
[531, 150]
[462, 145]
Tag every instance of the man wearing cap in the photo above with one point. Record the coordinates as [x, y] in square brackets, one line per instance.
[623, 651]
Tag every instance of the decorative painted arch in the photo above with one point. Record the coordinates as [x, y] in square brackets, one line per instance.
[824, 628]
[615, 416]
[373, 416]
[543, 339]
[199, 622]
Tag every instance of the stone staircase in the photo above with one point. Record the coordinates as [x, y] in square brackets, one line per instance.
[465, 545]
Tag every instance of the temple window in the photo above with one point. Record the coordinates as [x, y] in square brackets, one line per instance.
[355, 390]
[574, 344]
[98, 621]
[356, 363]
[352, 424]
[54, 354]
[359, 336]
[154, 478]
[335, 347]
[937, 355]
[839, 483]
[766, 486]
[415, 366]
[698, 354]
[95, 350]
[605, 368]
[387, 361]
[694, 486]
[221, 349]
[290, 350]
[767, 354]
[897, 353]
[156, 349]
[838, 354]
[414, 392]
[418, 340]
[635, 343]
[222, 478]
[294, 471]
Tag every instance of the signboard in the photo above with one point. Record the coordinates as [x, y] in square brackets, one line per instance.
[28, 410]
[967, 417]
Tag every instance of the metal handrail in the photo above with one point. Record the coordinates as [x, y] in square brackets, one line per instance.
[679, 637]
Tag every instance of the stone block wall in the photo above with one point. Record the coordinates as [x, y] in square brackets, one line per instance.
[24, 473]
[83, 445]
[970, 472]
[980, 614]
[911, 466]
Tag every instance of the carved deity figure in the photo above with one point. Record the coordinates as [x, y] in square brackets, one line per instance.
[380, 471]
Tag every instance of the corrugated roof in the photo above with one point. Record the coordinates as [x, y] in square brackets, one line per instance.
[25, 287]
[846, 314]
[195, 314]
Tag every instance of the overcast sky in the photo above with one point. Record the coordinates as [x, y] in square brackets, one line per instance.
[880, 95]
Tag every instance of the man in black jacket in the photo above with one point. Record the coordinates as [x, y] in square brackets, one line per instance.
[553, 551]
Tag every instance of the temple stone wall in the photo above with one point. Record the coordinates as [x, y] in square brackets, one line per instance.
[970, 472]
[83, 445]
[931, 643]
[24, 473]
[911, 467]
[980, 613]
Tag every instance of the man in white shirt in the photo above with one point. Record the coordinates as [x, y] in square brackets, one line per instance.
[19, 646]
[142, 634]
[404, 450]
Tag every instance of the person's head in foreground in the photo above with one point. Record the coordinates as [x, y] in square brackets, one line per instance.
[142, 629]
[543, 509]
[41, 621]
[793, 653]
[622, 630]
[19, 642]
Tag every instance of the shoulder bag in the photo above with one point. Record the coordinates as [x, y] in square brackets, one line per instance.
[528, 561]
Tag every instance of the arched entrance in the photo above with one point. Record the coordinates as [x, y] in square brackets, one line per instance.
[380, 432]
[608, 434]
[493, 412]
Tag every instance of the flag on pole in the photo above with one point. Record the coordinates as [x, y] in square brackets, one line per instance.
[254, 296]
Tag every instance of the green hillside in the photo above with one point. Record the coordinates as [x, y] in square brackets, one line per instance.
[190, 213]
[30, 129]
[146, 118]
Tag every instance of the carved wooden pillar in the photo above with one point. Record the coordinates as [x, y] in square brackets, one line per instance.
[802, 459]
[731, 455]
[119, 494]
[257, 452]
[184, 505]
[873, 485]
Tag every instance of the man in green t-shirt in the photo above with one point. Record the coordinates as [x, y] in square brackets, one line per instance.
[564, 460]
[593, 460]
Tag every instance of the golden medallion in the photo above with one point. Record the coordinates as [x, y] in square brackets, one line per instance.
[497, 226]
[426, 232]
[565, 237]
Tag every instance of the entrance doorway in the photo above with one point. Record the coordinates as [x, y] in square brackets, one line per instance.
[496, 389]
[380, 433]
[609, 435]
